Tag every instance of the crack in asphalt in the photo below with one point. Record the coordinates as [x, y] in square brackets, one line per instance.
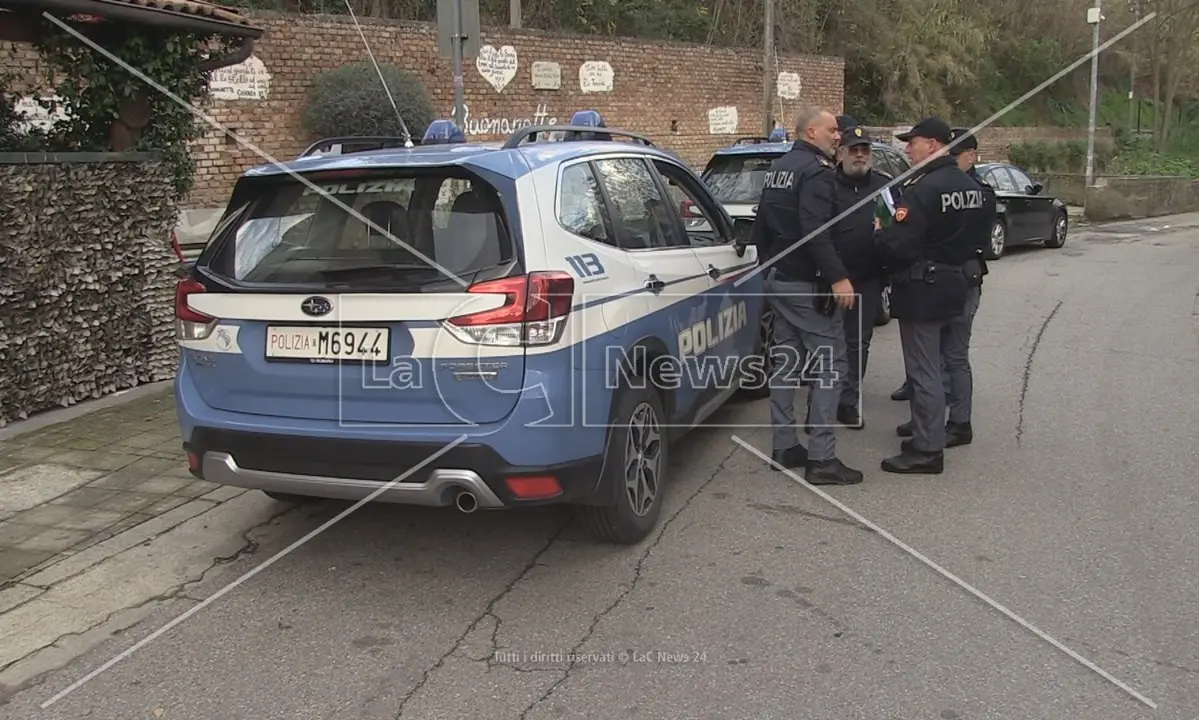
[1036, 342]
[637, 570]
[488, 611]
[177, 592]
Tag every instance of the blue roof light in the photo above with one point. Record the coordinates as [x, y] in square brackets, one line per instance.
[443, 132]
[779, 135]
[588, 118]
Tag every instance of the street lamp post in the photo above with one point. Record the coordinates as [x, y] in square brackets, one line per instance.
[1093, 17]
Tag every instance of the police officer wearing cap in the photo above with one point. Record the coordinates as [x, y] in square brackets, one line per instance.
[853, 236]
[927, 249]
[955, 340]
[809, 290]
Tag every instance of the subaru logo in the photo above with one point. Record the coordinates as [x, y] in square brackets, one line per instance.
[316, 306]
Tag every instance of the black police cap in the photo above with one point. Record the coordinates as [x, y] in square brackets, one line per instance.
[844, 123]
[856, 136]
[968, 141]
[931, 127]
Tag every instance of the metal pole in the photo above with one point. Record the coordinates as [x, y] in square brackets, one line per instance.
[459, 101]
[768, 69]
[1132, 72]
[1094, 98]
[514, 14]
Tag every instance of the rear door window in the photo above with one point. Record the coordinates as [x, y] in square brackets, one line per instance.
[394, 229]
[737, 178]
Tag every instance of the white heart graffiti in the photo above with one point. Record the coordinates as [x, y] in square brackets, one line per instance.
[497, 65]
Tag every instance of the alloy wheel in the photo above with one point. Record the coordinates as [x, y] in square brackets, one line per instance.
[643, 459]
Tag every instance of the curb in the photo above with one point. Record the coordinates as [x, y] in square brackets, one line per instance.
[67, 414]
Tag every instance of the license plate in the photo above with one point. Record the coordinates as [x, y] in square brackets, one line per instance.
[328, 344]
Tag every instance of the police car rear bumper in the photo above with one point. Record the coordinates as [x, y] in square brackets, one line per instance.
[354, 469]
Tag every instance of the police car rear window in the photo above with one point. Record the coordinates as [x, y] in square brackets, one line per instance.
[737, 178]
[288, 232]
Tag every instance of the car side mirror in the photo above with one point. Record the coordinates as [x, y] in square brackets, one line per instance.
[743, 232]
[1035, 189]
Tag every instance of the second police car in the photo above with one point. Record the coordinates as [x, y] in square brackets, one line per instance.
[533, 315]
[735, 173]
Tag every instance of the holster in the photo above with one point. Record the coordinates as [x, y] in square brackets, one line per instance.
[929, 291]
[826, 302]
[974, 271]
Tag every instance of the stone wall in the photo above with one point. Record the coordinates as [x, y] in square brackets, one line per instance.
[663, 90]
[1133, 198]
[86, 278]
[1124, 197]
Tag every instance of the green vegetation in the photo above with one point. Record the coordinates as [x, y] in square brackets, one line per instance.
[108, 108]
[351, 101]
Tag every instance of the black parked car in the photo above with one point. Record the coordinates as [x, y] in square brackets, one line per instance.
[1026, 215]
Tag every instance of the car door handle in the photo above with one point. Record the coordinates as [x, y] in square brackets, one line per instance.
[713, 272]
[654, 284]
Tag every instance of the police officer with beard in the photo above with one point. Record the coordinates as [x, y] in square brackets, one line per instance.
[809, 290]
[955, 340]
[927, 249]
[854, 238]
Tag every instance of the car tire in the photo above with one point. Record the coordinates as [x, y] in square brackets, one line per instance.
[1061, 225]
[637, 416]
[883, 316]
[756, 380]
[998, 242]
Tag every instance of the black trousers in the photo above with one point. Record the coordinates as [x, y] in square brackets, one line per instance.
[859, 330]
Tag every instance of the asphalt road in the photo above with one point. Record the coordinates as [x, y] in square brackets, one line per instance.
[1076, 508]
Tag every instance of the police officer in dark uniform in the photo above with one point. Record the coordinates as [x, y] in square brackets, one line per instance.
[854, 238]
[927, 249]
[955, 340]
[809, 290]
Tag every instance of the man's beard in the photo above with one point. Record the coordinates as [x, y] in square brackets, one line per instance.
[855, 171]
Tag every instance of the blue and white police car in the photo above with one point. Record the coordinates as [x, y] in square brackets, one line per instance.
[735, 174]
[539, 302]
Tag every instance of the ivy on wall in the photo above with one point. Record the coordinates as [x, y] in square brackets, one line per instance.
[97, 93]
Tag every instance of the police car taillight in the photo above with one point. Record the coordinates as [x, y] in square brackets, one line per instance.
[534, 312]
[190, 324]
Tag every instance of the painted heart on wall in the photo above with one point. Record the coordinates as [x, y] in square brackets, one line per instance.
[497, 65]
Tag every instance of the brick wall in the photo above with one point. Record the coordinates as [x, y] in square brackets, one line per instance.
[663, 90]
[660, 89]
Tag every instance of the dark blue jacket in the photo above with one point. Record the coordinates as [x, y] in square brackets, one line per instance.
[853, 234]
[797, 202]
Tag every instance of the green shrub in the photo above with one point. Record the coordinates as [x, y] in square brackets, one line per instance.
[1058, 157]
[350, 101]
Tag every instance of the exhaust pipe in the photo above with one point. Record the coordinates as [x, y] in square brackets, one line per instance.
[467, 502]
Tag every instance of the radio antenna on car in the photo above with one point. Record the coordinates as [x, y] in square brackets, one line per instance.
[403, 125]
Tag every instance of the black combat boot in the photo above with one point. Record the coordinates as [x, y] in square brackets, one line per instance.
[903, 393]
[915, 462]
[906, 430]
[850, 417]
[958, 434]
[831, 472]
[793, 457]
